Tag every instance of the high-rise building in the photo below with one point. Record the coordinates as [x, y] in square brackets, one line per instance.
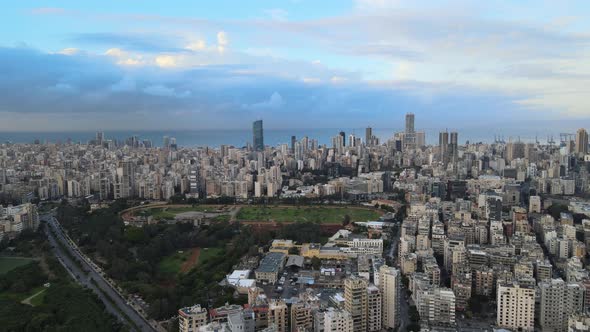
[191, 318]
[443, 146]
[374, 309]
[258, 136]
[441, 306]
[410, 123]
[338, 321]
[278, 315]
[389, 285]
[559, 300]
[582, 141]
[515, 306]
[99, 137]
[343, 135]
[355, 301]
[454, 147]
[369, 136]
[293, 141]
[125, 180]
[409, 133]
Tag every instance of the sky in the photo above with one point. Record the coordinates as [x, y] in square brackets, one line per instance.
[70, 65]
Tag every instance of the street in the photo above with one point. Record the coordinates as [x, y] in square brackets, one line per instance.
[404, 300]
[113, 300]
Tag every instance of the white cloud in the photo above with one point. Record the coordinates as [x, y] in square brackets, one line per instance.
[404, 70]
[275, 101]
[277, 14]
[311, 80]
[377, 4]
[198, 45]
[69, 51]
[164, 91]
[167, 61]
[222, 41]
[125, 58]
[338, 79]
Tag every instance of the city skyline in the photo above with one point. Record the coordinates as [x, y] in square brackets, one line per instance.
[124, 67]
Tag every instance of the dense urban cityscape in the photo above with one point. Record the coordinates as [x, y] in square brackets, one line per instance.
[294, 166]
[359, 235]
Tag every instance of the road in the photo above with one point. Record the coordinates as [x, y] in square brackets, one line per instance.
[404, 300]
[114, 302]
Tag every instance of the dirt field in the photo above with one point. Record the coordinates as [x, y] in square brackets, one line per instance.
[191, 261]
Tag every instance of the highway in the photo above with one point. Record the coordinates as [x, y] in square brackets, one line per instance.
[114, 301]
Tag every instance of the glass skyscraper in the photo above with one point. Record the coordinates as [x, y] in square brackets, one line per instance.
[258, 140]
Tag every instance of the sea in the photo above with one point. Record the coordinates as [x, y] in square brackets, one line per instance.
[274, 137]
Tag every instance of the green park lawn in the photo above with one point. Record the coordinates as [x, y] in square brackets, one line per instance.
[209, 253]
[172, 264]
[38, 298]
[11, 263]
[171, 212]
[329, 215]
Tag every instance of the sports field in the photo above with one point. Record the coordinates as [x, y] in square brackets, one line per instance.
[171, 212]
[10, 263]
[324, 214]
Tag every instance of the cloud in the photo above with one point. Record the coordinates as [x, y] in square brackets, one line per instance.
[338, 79]
[86, 91]
[164, 91]
[140, 42]
[198, 45]
[311, 80]
[277, 14]
[126, 84]
[222, 41]
[125, 58]
[69, 51]
[275, 101]
[167, 61]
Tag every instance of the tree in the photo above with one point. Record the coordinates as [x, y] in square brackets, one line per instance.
[346, 220]
[555, 210]
[316, 263]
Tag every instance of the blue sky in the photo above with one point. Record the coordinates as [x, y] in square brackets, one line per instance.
[131, 64]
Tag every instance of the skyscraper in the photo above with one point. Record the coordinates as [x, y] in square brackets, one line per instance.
[410, 123]
[258, 140]
[293, 141]
[409, 133]
[443, 145]
[343, 135]
[369, 136]
[515, 306]
[355, 301]
[454, 147]
[559, 300]
[582, 141]
[389, 284]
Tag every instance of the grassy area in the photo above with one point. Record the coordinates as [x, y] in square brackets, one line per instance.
[221, 218]
[171, 212]
[11, 263]
[18, 297]
[208, 254]
[171, 264]
[38, 299]
[326, 214]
